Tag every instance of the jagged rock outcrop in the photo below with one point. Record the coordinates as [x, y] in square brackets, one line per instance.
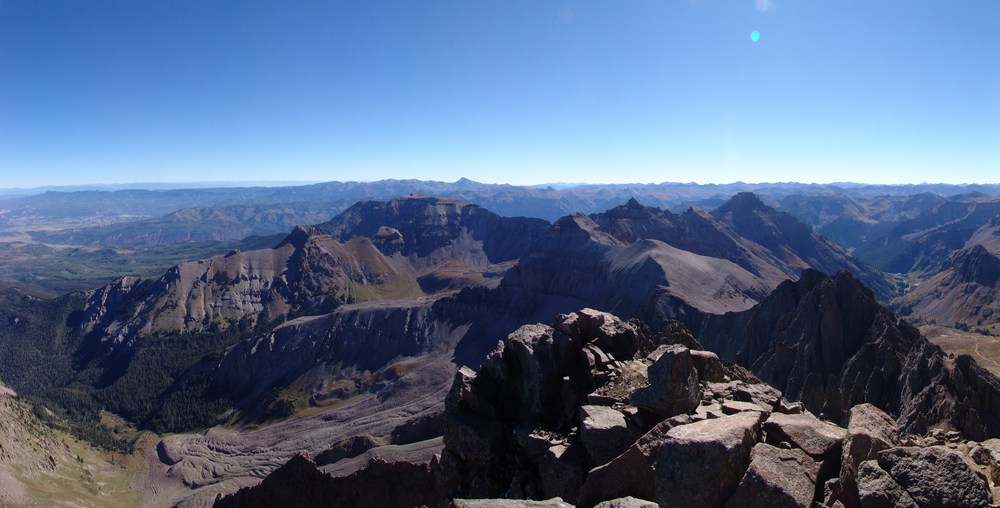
[553, 413]
[869, 431]
[300, 483]
[549, 419]
[673, 383]
[825, 340]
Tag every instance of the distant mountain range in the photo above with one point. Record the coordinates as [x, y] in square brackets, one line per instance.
[357, 320]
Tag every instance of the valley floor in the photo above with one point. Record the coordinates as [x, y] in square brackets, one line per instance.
[984, 348]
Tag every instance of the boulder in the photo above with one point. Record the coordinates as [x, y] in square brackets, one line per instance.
[702, 463]
[776, 478]
[759, 393]
[790, 408]
[813, 436]
[711, 410]
[510, 503]
[604, 432]
[987, 454]
[731, 407]
[629, 474]
[561, 471]
[935, 476]
[869, 431]
[613, 336]
[630, 376]
[876, 489]
[627, 502]
[673, 384]
[709, 366]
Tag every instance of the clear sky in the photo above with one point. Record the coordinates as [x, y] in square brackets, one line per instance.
[887, 91]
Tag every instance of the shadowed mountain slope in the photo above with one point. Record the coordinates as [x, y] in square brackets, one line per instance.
[966, 292]
[921, 245]
[827, 342]
[434, 229]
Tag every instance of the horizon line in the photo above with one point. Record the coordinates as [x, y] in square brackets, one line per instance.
[191, 185]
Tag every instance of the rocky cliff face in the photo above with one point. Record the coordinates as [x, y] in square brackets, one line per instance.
[308, 273]
[431, 230]
[827, 342]
[964, 293]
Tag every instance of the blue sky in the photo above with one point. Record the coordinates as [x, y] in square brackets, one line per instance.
[521, 92]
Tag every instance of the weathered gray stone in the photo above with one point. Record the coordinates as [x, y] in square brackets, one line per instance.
[535, 443]
[709, 366]
[510, 503]
[604, 432]
[612, 335]
[631, 473]
[935, 476]
[790, 408]
[701, 463]
[706, 411]
[561, 471]
[731, 407]
[626, 502]
[776, 478]
[673, 384]
[869, 431]
[813, 436]
[989, 456]
[761, 394]
[876, 489]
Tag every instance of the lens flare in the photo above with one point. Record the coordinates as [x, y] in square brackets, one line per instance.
[755, 36]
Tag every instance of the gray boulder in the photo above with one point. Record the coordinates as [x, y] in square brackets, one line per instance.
[562, 471]
[876, 489]
[702, 463]
[813, 436]
[617, 338]
[673, 384]
[629, 474]
[709, 366]
[604, 432]
[627, 502]
[869, 431]
[777, 478]
[987, 454]
[935, 476]
[510, 503]
[731, 407]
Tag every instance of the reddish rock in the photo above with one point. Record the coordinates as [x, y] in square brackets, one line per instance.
[813, 436]
[702, 463]
[776, 478]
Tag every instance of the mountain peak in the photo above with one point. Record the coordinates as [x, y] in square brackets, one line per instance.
[299, 236]
[743, 201]
[579, 225]
[976, 264]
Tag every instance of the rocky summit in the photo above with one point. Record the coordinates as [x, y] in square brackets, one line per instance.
[593, 411]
